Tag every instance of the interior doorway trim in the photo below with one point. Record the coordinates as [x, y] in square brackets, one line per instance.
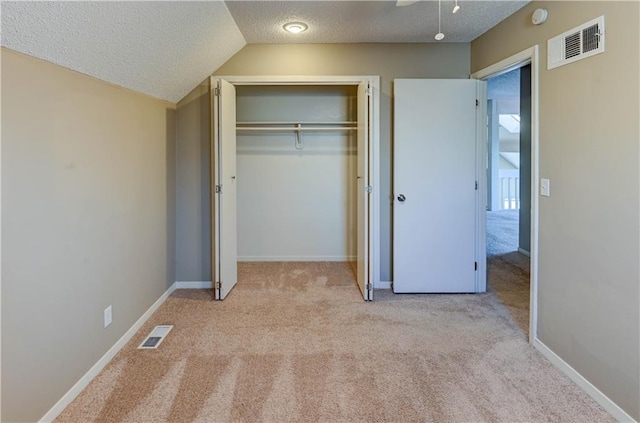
[374, 82]
[528, 56]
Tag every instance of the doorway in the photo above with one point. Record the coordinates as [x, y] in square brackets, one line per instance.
[509, 190]
[527, 62]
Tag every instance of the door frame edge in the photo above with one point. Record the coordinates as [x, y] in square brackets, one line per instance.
[527, 56]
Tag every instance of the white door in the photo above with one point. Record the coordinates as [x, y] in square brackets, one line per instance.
[435, 189]
[364, 191]
[223, 189]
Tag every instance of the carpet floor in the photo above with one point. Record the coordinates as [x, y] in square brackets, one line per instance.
[502, 232]
[508, 277]
[295, 342]
[507, 270]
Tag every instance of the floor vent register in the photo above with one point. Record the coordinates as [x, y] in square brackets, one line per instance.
[155, 337]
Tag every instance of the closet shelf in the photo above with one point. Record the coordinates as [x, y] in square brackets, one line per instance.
[282, 129]
[346, 122]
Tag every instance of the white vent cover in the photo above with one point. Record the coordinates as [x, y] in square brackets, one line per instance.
[579, 43]
[156, 337]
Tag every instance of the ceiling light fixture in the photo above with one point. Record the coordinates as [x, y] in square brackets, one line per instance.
[295, 27]
[439, 35]
[456, 7]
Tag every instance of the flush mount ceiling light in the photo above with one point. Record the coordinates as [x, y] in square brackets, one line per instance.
[295, 27]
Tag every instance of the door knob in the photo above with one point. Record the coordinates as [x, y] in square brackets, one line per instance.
[401, 198]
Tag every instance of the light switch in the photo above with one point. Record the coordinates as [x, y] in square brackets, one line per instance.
[544, 187]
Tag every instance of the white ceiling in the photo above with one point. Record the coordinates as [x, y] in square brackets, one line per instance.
[164, 49]
[503, 86]
[378, 21]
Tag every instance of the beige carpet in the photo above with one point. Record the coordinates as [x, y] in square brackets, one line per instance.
[508, 277]
[294, 342]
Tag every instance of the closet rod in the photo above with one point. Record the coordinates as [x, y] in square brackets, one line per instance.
[301, 123]
[272, 129]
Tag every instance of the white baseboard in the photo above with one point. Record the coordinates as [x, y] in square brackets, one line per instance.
[382, 285]
[525, 252]
[207, 285]
[611, 407]
[297, 258]
[193, 285]
[97, 368]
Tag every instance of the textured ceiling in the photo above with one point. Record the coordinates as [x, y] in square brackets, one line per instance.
[367, 21]
[504, 86]
[163, 49]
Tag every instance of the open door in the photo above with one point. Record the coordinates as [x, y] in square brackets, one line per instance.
[364, 191]
[224, 260]
[436, 176]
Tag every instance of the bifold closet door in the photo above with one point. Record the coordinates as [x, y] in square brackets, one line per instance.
[364, 191]
[224, 250]
[435, 205]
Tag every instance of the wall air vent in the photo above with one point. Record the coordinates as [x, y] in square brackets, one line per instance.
[579, 43]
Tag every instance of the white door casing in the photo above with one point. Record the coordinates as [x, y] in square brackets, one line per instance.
[223, 162]
[223, 173]
[435, 186]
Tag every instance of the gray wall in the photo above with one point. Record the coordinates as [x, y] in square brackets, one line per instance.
[589, 241]
[389, 61]
[193, 200]
[87, 222]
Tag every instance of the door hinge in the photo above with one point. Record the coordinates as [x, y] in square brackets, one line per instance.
[475, 265]
[476, 185]
[368, 286]
[216, 91]
[368, 90]
[218, 189]
[218, 285]
[477, 103]
[369, 189]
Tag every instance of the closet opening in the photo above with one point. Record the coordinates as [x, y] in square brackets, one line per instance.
[292, 184]
[296, 165]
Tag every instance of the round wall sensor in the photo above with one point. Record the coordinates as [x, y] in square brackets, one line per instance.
[539, 16]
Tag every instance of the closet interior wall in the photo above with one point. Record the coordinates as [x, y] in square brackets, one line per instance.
[296, 188]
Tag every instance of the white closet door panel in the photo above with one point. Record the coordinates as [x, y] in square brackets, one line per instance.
[224, 190]
[364, 196]
[434, 222]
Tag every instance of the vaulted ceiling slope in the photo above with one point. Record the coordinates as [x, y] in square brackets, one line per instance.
[163, 49]
[166, 48]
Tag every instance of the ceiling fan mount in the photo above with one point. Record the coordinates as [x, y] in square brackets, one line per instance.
[402, 3]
